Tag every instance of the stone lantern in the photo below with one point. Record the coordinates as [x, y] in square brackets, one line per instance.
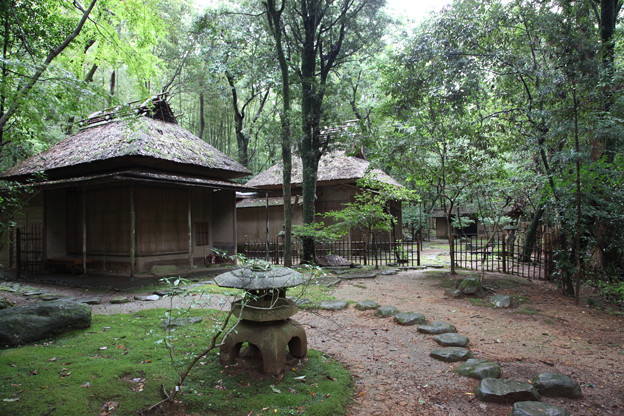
[264, 314]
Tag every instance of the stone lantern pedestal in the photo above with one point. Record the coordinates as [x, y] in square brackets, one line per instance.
[264, 317]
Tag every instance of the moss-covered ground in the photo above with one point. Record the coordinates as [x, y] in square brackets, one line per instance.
[121, 362]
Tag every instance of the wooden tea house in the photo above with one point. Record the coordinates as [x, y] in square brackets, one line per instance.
[338, 174]
[125, 194]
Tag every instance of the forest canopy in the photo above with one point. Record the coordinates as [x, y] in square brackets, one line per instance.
[505, 105]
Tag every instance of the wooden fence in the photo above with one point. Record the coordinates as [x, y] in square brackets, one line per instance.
[507, 254]
[26, 250]
[401, 253]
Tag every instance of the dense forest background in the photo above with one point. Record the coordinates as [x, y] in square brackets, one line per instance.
[509, 106]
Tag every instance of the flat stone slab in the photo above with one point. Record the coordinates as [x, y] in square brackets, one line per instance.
[537, 409]
[389, 272]
[479, 368]
[119, 300]
[360, 275]
[334, 305]
[451, 339]
[434, 266]
[451, 354]
[410, 318]
[557, 385]
[437, 328]
[505, 391]
[147, 298]
[91, 301]
[500, 301]
[386, 311]
[365, 305]
[179, 321]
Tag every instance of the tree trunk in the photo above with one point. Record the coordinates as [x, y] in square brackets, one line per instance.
[274, 17]
[202, 117]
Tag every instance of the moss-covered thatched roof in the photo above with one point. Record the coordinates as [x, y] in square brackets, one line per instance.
[128, 143]
[334, 167]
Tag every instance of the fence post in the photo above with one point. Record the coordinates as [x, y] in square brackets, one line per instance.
[504, 255]
[418, 247]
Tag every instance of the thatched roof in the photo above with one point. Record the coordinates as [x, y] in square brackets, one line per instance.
[129, 143]
[334, 167]
[262, 202]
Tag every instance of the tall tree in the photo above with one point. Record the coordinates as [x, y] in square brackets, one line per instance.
[323, 34]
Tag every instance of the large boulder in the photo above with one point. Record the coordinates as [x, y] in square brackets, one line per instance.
[470, 285]
[24, 324]
[557, 385]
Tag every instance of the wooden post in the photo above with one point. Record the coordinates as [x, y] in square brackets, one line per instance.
[44, 231]
[132, 232]
[18, 252]
[190, 228]
[418, 247]
[84, 231]
[266, 248]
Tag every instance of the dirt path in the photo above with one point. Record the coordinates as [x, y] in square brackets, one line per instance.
[391, 363]
[394, 370]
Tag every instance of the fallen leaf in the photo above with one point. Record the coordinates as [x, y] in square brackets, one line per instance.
[86, 385]
[14, 399]
[103, 348]
[108, 408]
[300, 378]
[52, 359]
[275, 389]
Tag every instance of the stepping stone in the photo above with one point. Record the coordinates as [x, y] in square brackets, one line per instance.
[557, 385]
[437, 328]
[300, 301]
[333, 305]
[91, 301]
[479, 368]
[49, 298]
[505, 391]
[451, 340]
[147, 298]
[537, 409]
[451, 354]
[365, 305]
[179, 321]
[500, 301]
[34, 293]
[389, 272]
[168, 292]
[410, 318]
[386, 311]
[119, 300]
[434, 266]
[362, 275]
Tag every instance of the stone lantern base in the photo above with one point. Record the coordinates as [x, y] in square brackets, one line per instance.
[271, 339]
